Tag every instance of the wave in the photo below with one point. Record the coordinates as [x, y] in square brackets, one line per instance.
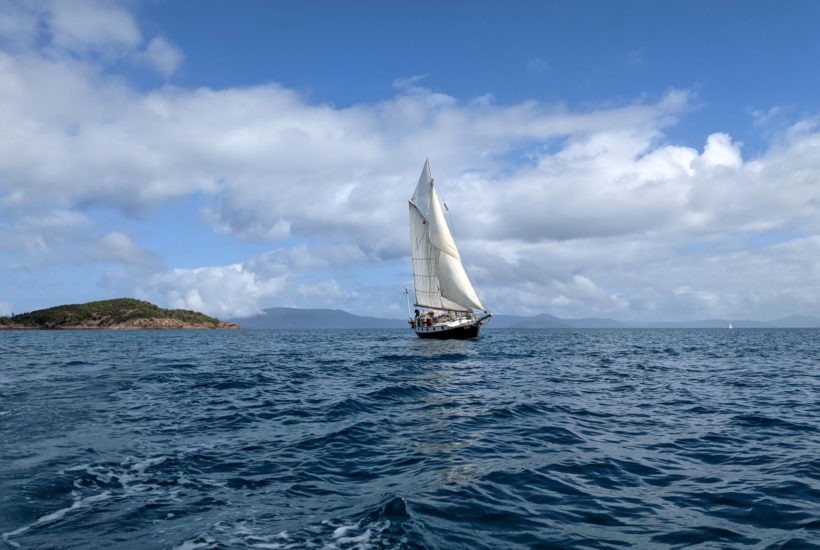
[592, 439]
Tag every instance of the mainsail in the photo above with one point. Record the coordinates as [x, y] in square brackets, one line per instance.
[438, 273]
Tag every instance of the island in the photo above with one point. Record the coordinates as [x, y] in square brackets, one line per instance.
[118, 314]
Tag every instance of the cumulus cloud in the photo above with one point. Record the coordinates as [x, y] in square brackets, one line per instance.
[61, 236]
[118, 247]
[224, 291]
[42, 234]
[572, 211]
[242, 290]
[255, 149]
[162, 56]
[53, 237]
[653, 279]
[98, 30]
[98, 25]
[720, 151]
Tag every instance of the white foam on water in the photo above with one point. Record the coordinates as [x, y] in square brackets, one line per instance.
[194, 545]
[141, 466]
[133, 477]
[54, 516]
[342, 531]
[361, 539]
[328, 534]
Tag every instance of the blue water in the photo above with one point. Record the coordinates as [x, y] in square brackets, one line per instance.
[375, 439]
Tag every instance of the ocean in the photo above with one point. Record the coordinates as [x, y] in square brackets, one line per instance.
[376, 439]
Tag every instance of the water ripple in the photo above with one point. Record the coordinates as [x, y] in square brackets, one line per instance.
[375, 439]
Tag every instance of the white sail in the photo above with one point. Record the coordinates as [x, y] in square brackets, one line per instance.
[438, 274]
[425, 273]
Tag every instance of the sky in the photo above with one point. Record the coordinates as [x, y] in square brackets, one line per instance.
[635, 160]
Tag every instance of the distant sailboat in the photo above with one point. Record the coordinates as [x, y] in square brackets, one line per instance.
[445, 298]
[730, 325]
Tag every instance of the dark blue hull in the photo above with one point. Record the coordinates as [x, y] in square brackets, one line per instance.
[470, 331]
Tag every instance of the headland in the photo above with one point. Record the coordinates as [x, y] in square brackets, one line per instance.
[118, 314]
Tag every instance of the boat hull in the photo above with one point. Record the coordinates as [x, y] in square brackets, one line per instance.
[444, 333]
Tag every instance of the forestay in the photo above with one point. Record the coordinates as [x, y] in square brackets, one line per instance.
[438, 274]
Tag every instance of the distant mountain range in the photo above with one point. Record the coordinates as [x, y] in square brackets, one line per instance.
[545, 320]
[550, 321]
[293, 318]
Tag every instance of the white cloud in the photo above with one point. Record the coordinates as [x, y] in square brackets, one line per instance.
[327, 291]
[162, 56]
[573, 211]
[61, 236]
[640, 279]
[409, 83]
[256, 149]
[318, 256]
[118, 247]
[38, 239]
[99, 30]
[92, 25]
[282, 277]
[223, 291]
[18, 22]
[720, 151]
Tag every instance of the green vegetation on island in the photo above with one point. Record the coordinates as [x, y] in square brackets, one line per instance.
[122, 313]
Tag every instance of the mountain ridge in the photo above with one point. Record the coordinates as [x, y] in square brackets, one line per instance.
[297, 318]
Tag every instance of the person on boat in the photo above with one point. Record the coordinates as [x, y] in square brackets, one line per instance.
[429, 321]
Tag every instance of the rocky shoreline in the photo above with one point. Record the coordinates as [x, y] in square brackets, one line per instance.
[135, 324]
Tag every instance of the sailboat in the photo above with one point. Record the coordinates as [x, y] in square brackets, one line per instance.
[730, 325]
[447, 305]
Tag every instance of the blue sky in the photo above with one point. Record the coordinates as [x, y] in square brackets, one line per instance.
[738, 56]
[638, 160]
